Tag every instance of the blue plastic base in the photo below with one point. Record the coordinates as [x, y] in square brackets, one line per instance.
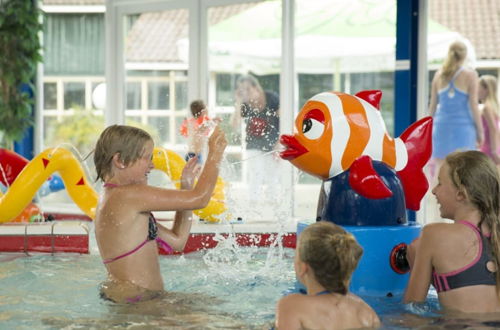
[374, 275]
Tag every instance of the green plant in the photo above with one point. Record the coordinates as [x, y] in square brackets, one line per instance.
[20, 48]
[80, 130]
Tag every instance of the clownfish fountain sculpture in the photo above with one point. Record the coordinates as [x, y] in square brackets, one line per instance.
[369, 179]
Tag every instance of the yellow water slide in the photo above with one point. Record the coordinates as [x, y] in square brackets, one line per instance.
[61, 160]
[37, 171]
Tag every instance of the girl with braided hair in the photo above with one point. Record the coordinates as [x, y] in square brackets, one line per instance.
[325, 258]
[461, 259]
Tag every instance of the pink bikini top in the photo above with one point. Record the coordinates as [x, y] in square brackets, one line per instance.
[152, 235]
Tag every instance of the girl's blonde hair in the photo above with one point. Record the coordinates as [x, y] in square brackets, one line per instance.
[456, 56]
[332, 253]
[474, 174]
[489, 83]
[126, 141]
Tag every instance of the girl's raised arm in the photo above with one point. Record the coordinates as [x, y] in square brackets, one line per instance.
[149, 198]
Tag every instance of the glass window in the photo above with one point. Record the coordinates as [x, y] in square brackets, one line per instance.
[181, 97]
[312, 84]
[134, 121]
[225, 89]
[50, 96]
[156, 53]
[79, 130]
[244, 45]
[158, 96]
[74, 95]
[73, 67]
[133, 91]
[161, 126]
[49, 127]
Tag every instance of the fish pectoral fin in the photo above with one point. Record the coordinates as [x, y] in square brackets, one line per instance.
[365, 181]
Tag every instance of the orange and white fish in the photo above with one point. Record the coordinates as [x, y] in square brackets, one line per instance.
[336, 132]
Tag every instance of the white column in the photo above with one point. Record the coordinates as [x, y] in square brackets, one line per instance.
[288, 83]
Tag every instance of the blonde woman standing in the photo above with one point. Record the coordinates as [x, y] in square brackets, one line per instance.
[454, 106]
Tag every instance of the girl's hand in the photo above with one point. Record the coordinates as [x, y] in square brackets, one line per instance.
[190, 173]
[217, 142]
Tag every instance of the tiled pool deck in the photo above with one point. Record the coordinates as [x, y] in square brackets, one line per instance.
[71, 231]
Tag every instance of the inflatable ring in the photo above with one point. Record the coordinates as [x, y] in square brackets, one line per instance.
[32, 176]
[172, 164]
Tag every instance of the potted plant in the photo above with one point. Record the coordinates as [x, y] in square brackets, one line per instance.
[20, 53]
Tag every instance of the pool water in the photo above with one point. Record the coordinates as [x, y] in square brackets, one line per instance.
[46, 292]
[223, 288]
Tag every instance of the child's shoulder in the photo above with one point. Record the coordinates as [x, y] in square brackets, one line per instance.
[293, 300]
[437, 230]
[293, 297]
[442, 232]
[437, 226]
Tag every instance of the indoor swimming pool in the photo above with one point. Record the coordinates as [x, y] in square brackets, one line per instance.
[227, 287]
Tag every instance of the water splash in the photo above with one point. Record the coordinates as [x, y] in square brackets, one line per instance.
[229, 262]
[265, 154]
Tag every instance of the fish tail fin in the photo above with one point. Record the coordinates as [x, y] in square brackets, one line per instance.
[418, 141]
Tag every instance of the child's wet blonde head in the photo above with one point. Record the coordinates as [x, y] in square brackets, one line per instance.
[331, 252]
[126, 141]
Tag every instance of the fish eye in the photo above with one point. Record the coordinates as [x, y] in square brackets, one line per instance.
[312, 128]
[306, 125]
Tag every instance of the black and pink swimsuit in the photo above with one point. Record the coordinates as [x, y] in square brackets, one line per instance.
[475, 273]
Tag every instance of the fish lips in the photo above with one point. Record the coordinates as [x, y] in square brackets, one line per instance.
[293, 147]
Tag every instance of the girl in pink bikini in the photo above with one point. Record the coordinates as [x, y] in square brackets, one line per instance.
[487, 95]
[127, 233]
[461, 259]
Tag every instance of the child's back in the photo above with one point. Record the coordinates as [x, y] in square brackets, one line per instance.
[328, 311]
[325, 258]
